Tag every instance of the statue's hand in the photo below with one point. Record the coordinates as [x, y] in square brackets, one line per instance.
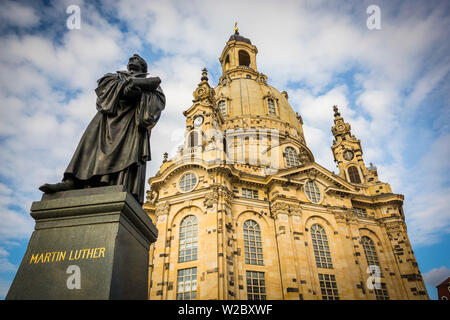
[147, 84]
[132, 91]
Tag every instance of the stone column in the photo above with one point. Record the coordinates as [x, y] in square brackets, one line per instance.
[160, 265]
[408, 271]
[295, 223]
[354, 255]
[286, 255]
[210, 279]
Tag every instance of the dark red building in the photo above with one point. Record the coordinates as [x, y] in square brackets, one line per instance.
[444, 290]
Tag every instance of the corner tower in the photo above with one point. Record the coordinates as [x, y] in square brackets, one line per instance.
[348, 153]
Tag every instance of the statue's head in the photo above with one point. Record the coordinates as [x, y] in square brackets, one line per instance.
[136, 63]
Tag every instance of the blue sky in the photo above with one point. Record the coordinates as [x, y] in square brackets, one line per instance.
[392, 85]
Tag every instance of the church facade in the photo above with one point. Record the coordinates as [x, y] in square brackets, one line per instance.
[244, 212]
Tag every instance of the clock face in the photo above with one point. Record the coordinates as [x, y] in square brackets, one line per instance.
[198, 121]
[348, 155]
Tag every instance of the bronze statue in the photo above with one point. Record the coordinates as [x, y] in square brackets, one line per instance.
[115, 147]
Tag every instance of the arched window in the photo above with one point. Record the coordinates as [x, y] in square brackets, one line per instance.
[188, 239]
[370, 251]
[223, 107]
[321, 247]
[224, 143]
[353, 174]
[244, 58]
[227, 62]
[193, 139]
[252, 243]
[312, 191]
[291, 157]
[271, 106]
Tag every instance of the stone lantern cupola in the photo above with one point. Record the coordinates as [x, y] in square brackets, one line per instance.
[238, 58]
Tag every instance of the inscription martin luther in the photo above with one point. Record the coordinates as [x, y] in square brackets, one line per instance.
[58, 256]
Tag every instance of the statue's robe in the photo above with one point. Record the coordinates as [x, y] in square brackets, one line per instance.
[115, 147]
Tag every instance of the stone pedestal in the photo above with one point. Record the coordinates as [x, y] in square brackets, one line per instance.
[87, 244]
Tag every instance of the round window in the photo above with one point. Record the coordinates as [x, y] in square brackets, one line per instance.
[188, 182]
[312, 191]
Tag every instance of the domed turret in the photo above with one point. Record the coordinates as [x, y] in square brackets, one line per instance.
[238, 56]
[246, 101]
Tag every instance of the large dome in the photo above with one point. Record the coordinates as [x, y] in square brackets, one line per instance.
[248, 97]
[243, 122]
[245, 98]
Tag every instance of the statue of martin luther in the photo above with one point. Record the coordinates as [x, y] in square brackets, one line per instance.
[115, 147]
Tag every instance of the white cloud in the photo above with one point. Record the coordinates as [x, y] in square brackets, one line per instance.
[6, 266]
[3, 252]
[427, 207]
[436, 276]
[16, 14]
[15, 225]
[316, 109]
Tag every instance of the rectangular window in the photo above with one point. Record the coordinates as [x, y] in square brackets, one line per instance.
[271, 106]
[328, 287]
[223, 107]
[382, 293]
[361, 212]
[187, 284]
[249, 193]
[256, 286]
